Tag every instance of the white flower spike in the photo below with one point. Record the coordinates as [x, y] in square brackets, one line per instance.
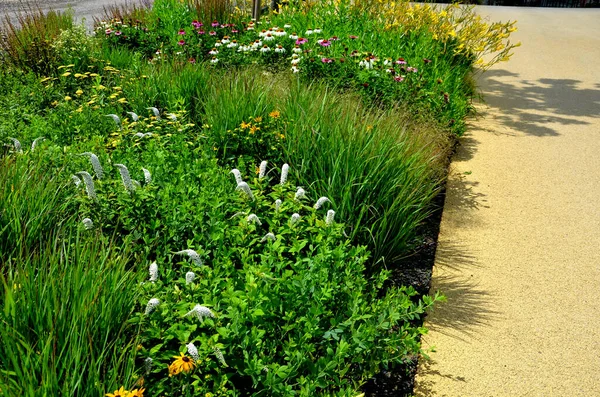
[300, 194]
[134, 116]
[89, 184]
[262, 170]
[320, 202]
[172, 116]
[152, 303]
[125, 177]
[35, 142]
[155, 112]
[88, 224]
[147, 176]
[16, 144]
[200, 312]
[116, 119]
[95, 164]
[252, 218]
[329, 218]
[237, 174]
[243, 186]
[268, 236]
[153, 269]
[189, 277]
[295, 218]
[277, 205]
[192, 351]
[284, 173]
[193, 255]
[220, 356]
[148, 365]
[76, 180]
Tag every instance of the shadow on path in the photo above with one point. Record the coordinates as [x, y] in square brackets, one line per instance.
[532, 106]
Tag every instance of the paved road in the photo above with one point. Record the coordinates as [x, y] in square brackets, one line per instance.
[519, 248]
[84, 9]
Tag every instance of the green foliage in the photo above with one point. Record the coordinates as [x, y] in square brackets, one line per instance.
[293, 315]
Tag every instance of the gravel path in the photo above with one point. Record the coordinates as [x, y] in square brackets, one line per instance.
[519, 246]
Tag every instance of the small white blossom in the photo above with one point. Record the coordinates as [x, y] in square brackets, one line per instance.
[214, 60]
[330, 216]
[295, 69]
[295, 218]
[193, 255]
[265, 49]
[200, 312]
[295, 61]
[16, 144]
[320, 202]
[317, 31]
[294, 36]
[89, 184]
[147, 176]
[243, 186]
[35, 142]
[95, 164]
[287, 26]
[148, 365]
[192, 351]
[88, 224]
[300, 194]
[252, 218]
[172, 116]
[218, 43]
[125, 177]
[262, 170]
[189, 277]
[225, 40]
[153, 269]
[220, 356]
[213, 52]
[284, 173]
[268, 236]
[277, 205]
[237, 174]
[155, 112]
[297, 50]
[233, 44]
[152, 303]
[134, 116]
[280, 49]
[309, 32]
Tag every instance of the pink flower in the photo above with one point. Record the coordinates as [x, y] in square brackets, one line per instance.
[353, 37]
[201, 32]
[399, 78]
[108, 31]
[234, 31]
[411, 69]
[326, 60]
[301, 40]
[325, 43]
[118, 33]
[181, 42]
[401, 61]
[181, 32]
[197, 25]
[334, 38]
[212, 33]
[214, 24]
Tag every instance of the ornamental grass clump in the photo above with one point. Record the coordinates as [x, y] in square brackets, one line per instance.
[309, 284]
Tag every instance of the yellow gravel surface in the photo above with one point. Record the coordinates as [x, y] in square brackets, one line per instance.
[519, 246]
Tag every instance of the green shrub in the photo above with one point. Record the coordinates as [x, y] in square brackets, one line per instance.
[285, 314]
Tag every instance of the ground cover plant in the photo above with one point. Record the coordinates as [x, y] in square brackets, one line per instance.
[197, 203]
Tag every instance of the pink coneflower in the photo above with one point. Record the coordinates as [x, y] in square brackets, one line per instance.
[353, 37]
[425, 60]
[215, 24]
[411, 69]
[108, 31]
[399, 78]
[334, 38]
[234, 31]
[326, 60]
[301, 40]
[118, 33]
[201, 32]
[212, 33]
[192, 60]
[181, 42]
[197, 25]
[401, 61]
[325, 43]
[181, 32]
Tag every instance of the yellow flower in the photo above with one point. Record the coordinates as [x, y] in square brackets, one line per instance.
[181, 364]
[66, 74]
[275, 114]
[79, 109]
[137, 393]
[68, 98]
[253, 129]
[258, 119]
[79, 92]
[244, 125]
[118, 393]
[54, 103]
[122, 100]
